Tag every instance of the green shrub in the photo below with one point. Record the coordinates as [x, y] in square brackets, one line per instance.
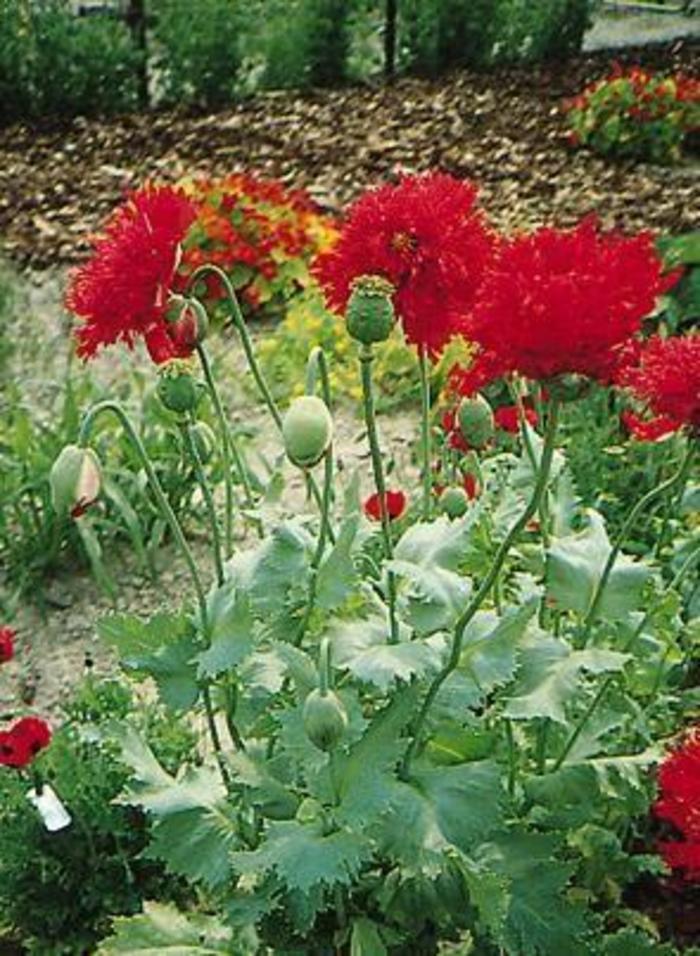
[535, 30]
[198, 53]
[53, 63]
[440, 34]
[58, 890]
[308, 43]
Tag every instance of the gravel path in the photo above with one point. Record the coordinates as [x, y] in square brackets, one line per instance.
[613, 30]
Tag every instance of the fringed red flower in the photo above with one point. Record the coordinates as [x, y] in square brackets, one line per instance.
[427, 239]
[566, 301]
[666, 380]
[7, 644]
[121, 293]
[679, 804]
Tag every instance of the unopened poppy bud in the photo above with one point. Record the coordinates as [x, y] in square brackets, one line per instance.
[476, 422]
[75, 480]
[307, 430]
[177, 389]
[454, 502]
[370, 312]
[187, 322]
[325, 719]
[204, 441]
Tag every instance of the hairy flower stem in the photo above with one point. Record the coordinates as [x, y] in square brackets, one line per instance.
[609, 681]
[317, 363]
[366, 359]
[179, 538]
[486, 585]
[514, 388]
[242, 329]
[230, 453]
[423, 364]
[642, 505]
[186, 429]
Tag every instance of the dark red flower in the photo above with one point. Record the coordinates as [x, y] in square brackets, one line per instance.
[484, 368]
[395, 505]
[426, 238]
[23, 741]
[666, 379]
[7, 644]
[565, 301]
[472, 486]
[679, 804]
[647, 429]
[507, 418]
[121, 293]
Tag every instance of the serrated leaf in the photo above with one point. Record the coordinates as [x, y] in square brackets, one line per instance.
[163, 929]
[337, 576]
[270, 571]
[162, 647]
[540, 920]
[265, 791]
[549, 677]
[575, 565]
[230, 631]
[431, 597]
[488, 893]
[304, 858]
[441, 543]
[633, 942]
[195, 844]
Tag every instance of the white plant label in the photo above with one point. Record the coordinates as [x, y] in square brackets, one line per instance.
[51, 810]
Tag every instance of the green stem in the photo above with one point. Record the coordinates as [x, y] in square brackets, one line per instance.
[366, 359]
[486, 584]
[178, 536]
[231, 455]
[425, 431]
[246, 342]
[512, 757]
[541, 754]
[640, 507]
[186, 428]
[603, 689]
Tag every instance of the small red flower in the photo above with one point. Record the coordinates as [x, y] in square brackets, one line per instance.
[23, 741]
[647, 429]
[121, 293]
[507, 418]
[679, 804]
[666, 379]
[472, 486]
[565, 301]
[395, 505]
[426, 238]
[7, 644]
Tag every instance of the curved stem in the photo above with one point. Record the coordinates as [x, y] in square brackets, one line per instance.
[366, 359]
[178, 536]
[638, 509]
[230, 452]
[186, 428]
[425, 431]
[603, 689]
[246, 342]
[486, 584]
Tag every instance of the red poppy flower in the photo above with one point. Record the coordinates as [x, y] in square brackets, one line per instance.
[23, 741]
[666, 378]
[395, 505]
[121, 293]
[7, 644]
[507, 418]
[565, 301]
[426, 238]
[647, 429]
[679, 803]
[484, 368]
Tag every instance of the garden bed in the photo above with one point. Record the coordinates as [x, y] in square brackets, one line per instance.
[503, 129]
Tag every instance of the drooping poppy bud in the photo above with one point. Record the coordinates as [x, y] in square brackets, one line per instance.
[187, 323]
[204, 441]
[75, 480]
[370, 312]
[475, 420]
[307, 430]
[177, 388]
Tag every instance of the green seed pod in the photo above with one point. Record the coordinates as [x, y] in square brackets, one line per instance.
[454, 502]
[476, 421]
[307, 430]
[370, 312]
[75, 480]
[177, 389]
[204, 441]
[325, 719]
[569, 387]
